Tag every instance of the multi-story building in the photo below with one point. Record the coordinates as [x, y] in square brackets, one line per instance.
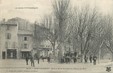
[25, 43]
[16, 38]
[8, 40]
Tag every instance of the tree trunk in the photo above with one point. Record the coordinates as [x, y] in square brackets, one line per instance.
[54, 55]
[60, 53]
[82, 55]
[99, 55]
[82, 58]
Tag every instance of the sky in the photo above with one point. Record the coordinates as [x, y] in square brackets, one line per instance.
[35, 9]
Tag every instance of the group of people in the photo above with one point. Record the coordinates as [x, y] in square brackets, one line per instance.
[91, 59]
[67, 58]
[72, 57]
[31, 58]
[37, 57]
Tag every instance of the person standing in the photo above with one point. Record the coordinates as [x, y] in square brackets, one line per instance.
[85, 58]
[48, 59]
[49, 56]
[90, 58]
[32, 60]
[94, 60]
[74, 59]
[27, 59]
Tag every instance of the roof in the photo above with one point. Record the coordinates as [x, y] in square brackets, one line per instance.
[23, 24]
[9, 24]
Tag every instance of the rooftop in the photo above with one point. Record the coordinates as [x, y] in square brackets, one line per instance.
[9, 24]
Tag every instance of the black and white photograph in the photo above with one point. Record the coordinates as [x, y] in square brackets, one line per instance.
[56, 36]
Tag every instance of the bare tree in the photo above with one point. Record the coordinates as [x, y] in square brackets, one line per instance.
[62, 13]
[108, 33]
[85, 23]
[56, 25]
[102, 36]
[85, 28]
[50, 31]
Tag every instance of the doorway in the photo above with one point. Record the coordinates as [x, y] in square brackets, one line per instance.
[3, 55]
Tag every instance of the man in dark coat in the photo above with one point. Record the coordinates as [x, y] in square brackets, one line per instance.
[32, 60]
[90, 58]
[74, 59]
[75, 54]
[94, 60]
[85, 58]
[27, 58]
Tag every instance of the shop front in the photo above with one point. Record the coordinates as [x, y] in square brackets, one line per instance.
[24, 53]
[11, 54]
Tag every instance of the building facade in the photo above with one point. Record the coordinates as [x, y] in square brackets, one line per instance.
[16, 38]
[25, 43]
[8, 41]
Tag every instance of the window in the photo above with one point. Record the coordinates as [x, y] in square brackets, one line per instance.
[6, 45]
[8, 36]
[25, 46]
[25, 38]
[7, 27]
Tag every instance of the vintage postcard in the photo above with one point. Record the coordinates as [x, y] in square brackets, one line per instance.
[56, 36]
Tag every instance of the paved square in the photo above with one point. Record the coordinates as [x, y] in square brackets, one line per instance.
[19, 66]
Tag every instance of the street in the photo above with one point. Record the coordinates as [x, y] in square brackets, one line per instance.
[19, 66]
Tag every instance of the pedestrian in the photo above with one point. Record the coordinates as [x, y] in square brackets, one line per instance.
[85, 58]
[75, 54]
[37, 56]
[90, 58]
[68, 57]
[48, 59]
[27, 58]
[74, 59]
[94, 60]
[32, 60]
